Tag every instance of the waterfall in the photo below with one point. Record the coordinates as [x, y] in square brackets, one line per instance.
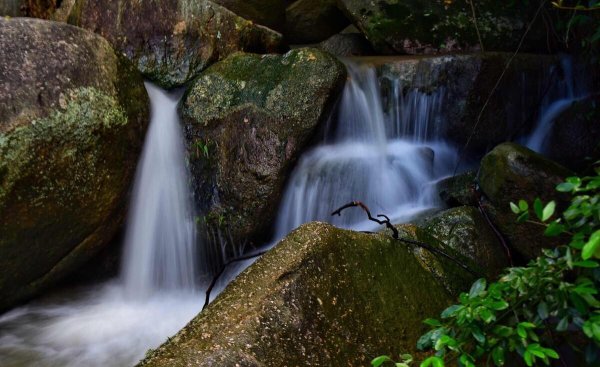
[160, 236]
[157, 294]
[567, 87]
[385, 155]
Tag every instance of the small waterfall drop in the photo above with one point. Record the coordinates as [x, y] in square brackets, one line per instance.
[384, 155]
[566, 89]
[160, 236]
[116, 323]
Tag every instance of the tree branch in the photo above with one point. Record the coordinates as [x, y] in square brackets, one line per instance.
[396, 236]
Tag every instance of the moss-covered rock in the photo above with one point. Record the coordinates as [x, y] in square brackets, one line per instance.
[511, 172]
[72, 120]
[575, 136]
[311, 21]
[172, 41]
[465, 230]
[270, 13]
[467, 81]
[247, 120]
[391, 25]
[11, 8]
[323, 296]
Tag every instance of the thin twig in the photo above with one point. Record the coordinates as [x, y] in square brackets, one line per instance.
[475, 24]
[508, 63]
[499, 236]
[216, 277]
[396, 236]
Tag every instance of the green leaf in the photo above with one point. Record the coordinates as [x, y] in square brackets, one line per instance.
[478, 335]
[487, 316]
[550, 353]
[563, 324]
[515, 208]
[591, 246]
[523, 206]
[554, 229]
[548, 210]
[380, 360]
[477, 288]
[565, 187]
[538, 208]
[450, 311]
[542, 310]
[498, 356]
[433, 361]
[432, 322]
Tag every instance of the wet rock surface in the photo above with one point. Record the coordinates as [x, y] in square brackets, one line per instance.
[322, 296]
[247, 120]
[172, 44]
[72, 120]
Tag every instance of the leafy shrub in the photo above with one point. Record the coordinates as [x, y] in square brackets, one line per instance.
[525, 311]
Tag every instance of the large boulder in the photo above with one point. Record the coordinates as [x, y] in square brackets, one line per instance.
[510, 173]
[172, 43]
[574, 139]
[465, 82]
[72, 119]
[395, 26]
[322, 297]
[311, 21]
[270, 13]
[247, 120]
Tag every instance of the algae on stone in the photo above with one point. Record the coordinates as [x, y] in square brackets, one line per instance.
[72, 122]
[171, 42]
[247, 120]
[323, 296]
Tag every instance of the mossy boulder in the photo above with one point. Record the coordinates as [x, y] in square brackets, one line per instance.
[72, 119]
[466, 82]
[172, 41]
[270, 13]
[392, 25]
[247, 120]
[465, 230]
[311, 21]
[323, 296]
[574, 140]
[511, 172]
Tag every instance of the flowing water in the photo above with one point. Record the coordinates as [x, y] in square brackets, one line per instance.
[386, 155]
[382, 147]
[568, 85]
[157, 294]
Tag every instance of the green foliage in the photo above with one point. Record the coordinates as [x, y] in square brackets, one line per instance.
[523, 312]
[580, 24]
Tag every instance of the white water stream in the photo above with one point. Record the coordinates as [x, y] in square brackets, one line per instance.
[384, 154]
[113, 325]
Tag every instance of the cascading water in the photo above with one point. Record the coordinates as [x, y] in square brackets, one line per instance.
[563, 92]
[160, 237]
[389, 158]
[114, 324]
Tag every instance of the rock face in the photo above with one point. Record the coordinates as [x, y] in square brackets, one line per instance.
[575, 137]
[465, 230]
[172, 43]
[11, 8]
[511, 172]
[322, 297]
[466, 81]
[408, 26]
[270, 13]
[347, 44]
[72, 121]
[311, 21]
[247, 119]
